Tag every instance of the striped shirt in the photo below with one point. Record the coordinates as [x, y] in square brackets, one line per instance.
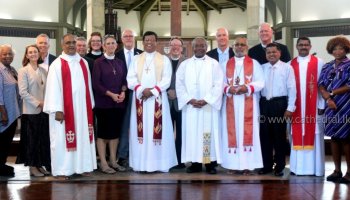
[9, 94]
[331, 77]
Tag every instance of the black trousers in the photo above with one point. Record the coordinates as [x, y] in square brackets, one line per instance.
[6, 138]
[273, 129]
[176, 119]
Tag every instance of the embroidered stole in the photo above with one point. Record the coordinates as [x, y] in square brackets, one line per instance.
[71, 139]
[305, 141]
[248, 106]
[157, 128]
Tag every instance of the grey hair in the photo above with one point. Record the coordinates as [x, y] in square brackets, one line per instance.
[81, 39]
[42, 35]
[199, 38]
[225, 29]
[133, 34]
[9, 46]
[265, 23]
[67, 34]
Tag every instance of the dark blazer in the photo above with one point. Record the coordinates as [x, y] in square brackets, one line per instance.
[120, 54]
[90, 62]
[258, 53]
[172, 84]
[51, 59]
[214, 53]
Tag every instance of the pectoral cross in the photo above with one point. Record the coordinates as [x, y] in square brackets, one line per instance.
[237, 80]
[114, 72]
[147, 69]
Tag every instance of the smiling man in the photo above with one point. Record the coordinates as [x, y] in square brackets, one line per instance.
[307, 152]
[199, 83]
[277, 103]
[152, 146]
[223, 53]
[69, 102]
[257, 52]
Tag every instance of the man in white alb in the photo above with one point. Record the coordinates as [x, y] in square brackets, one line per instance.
[152, 146]
[240, 112]
[307, 151]
[69, 102]
[199, 85]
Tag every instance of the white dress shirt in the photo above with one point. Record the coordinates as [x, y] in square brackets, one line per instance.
[282, 83]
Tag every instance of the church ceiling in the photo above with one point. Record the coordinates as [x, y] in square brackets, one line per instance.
[187, 5]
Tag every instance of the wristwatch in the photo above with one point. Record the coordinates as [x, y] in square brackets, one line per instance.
[331, 94]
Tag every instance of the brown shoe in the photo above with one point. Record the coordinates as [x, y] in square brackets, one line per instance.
[35, 172]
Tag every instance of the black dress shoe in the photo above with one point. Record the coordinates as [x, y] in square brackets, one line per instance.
[278, 173]
[194, 169]
[335, 176]
[8, 173]
[292, 173]
[211, 170]
[264, 171]
[179, 166]
[345, 180]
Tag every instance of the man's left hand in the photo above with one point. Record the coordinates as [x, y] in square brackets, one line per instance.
[288, 114]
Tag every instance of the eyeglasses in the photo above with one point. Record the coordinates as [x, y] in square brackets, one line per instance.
[176, 45]
[128, 36]
[240, 44]
[303, 45]
[95, 41]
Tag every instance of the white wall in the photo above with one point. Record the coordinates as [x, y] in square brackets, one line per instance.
[32, 10]
[234, 19]
[318, 46]
[129, 21]
[19, 44]
[309, 10]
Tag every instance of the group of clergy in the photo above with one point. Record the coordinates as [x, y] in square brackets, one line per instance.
[229, 106]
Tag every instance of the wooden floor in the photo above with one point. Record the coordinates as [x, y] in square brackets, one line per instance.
[171, 186]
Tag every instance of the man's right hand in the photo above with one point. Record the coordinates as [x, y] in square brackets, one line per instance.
[59, 116]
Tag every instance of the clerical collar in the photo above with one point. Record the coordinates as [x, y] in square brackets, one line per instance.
[96, 53]
[202, 58]
[303, 58]
[264, 46]
[239, 58]
[172, 58]
[109, 57]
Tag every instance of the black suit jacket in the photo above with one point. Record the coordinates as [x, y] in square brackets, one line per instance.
[90, 62]
[258, 53]
[214, 53]
[51, 59]
[120, 54]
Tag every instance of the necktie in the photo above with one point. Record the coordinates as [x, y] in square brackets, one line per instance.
[270, 86]
[129, 58]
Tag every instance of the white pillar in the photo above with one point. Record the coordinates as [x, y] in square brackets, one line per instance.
[95, 16]
[256, 16]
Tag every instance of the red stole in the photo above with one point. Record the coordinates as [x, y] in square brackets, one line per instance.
[306, 142]
[68, 110]
[248, 106]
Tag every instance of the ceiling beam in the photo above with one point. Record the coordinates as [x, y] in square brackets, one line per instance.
[159, 8]
[114, 2]
[212, 5]
[145, 10]
[240, 4]
[203, 13]
[188, 7]
[135, 5]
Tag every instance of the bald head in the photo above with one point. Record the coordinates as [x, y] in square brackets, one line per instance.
[265, 33]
